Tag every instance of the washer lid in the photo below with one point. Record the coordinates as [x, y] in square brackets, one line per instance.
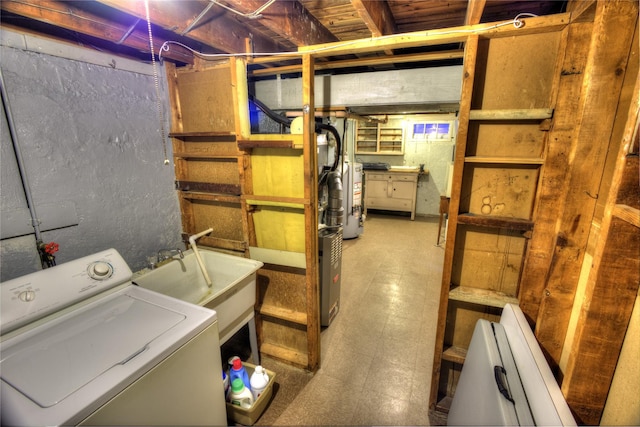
[59, 360]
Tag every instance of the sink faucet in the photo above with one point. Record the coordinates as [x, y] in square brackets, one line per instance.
[165, 254]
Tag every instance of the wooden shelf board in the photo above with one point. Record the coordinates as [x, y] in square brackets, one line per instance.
[283, 353]
[628, 214]
[481, 296]
[443, 405]
[504, 160]
[209, 187]
[496, 222]
[512, 114]
[455, 354]
[268, 143]
[185, 155]
[220, 243]
[283, 314]
[193, 195]
[199, 134]
[291, 202]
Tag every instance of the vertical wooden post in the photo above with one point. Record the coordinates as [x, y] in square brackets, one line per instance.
[468, 75]
[311, 213]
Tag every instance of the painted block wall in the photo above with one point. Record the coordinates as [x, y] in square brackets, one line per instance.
[89, 132]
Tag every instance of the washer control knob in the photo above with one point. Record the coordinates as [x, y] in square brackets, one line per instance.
[27, 295]
[100, 270]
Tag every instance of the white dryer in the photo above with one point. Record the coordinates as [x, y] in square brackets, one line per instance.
[82, 345]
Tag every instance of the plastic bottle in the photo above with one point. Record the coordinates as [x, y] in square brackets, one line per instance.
[238, 371]
[227, 387]
[259, 381]
[241, 395]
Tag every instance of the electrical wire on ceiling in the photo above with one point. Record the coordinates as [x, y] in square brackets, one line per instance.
[517, 22]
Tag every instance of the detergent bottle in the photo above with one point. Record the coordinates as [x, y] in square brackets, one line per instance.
[259, 381]
[240, 395]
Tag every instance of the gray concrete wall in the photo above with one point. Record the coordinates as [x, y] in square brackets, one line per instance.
[89, 132]
[427, 87]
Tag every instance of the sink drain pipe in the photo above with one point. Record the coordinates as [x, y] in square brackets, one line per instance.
[192, 243]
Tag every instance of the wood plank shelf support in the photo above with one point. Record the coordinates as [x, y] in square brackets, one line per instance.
[481, 296]
[201, 134]
[283, 314]
[513, 114]
[496, 222]
[504, 160]
[455, 354]
[249, 144]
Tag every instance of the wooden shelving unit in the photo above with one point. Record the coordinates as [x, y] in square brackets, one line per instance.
[257, 193]
[379, 139]
[500, 153]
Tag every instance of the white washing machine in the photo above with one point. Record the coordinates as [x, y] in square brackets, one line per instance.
[82, 345]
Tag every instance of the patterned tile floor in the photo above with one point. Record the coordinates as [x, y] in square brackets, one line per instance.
[376, 356]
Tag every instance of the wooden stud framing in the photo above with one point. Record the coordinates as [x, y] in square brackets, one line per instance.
[605, 71]
[311, 214]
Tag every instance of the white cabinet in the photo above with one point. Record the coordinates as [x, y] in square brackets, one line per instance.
[389, 190]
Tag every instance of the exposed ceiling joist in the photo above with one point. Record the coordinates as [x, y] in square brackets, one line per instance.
[377, 16]
[67, 16]
[216, 29]
[331, 30]
[289, 19]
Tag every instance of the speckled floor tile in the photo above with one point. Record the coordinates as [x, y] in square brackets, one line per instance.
[377, 354]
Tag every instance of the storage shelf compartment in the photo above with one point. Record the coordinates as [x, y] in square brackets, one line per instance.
[496, 222]
[481, 296]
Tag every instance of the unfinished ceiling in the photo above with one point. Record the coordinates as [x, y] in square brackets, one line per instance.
[262, 27]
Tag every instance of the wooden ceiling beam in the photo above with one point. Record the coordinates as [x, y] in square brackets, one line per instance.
[474, 12]
[377, 16]
[289, 19]
[439, 37]
[216, 29]
[66, 15]
[360, 62]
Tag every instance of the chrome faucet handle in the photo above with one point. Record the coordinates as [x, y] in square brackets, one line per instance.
[165, 254]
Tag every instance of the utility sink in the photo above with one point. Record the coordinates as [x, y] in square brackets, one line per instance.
[232, 295]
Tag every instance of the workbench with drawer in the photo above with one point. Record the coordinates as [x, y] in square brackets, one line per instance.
[391, 190]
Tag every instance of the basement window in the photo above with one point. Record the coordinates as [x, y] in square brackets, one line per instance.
[432, 131]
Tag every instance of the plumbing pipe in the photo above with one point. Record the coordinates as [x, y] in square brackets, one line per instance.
[35, 223]
[192, 242]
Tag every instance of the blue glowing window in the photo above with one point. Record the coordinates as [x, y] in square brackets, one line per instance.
[432, 131]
